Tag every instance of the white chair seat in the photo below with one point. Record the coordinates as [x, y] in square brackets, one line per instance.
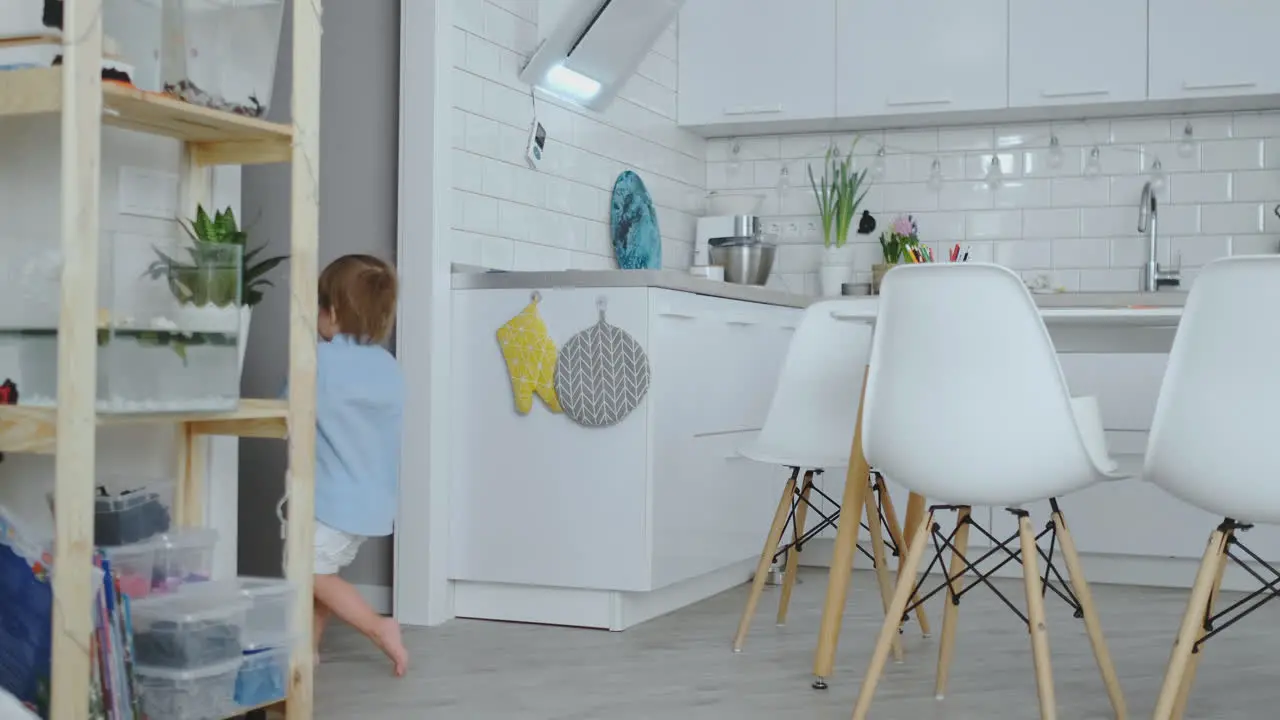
[761, 452]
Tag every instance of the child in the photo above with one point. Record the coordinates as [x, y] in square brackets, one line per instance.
[359, 406]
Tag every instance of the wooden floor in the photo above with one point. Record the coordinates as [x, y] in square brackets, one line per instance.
[680, 667]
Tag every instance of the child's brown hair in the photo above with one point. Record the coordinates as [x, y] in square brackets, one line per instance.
[360, 290]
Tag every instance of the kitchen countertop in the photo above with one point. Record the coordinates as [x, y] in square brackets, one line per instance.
[665, 279]
[466, 278]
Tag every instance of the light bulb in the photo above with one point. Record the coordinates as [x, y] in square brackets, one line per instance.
[995, 174]
[1055, 152]
[877, 168]
[784, 184]
[1187, 147]
[935, 175]
[735, 165]
[1157, 175]
[1093, 166]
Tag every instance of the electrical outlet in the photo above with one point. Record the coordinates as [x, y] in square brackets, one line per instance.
[773, 228]
[811, 229]
[793, 230]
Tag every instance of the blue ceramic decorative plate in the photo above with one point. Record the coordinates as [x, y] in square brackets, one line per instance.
[637, 244]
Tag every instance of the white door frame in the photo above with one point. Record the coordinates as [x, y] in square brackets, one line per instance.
[423, 593]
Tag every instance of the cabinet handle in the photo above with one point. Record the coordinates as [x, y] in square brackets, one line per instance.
[1217, 86]
[752, 109]
[677, 314]
[904, 103]
[740, 322]
[1072, 93]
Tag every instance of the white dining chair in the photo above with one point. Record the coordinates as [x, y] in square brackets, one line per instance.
[1213, 442]
[809, 429]
[966, 405]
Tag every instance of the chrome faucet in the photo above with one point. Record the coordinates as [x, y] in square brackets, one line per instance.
[1153, 278]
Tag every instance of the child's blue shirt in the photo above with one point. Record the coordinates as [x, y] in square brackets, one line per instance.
[359, 412]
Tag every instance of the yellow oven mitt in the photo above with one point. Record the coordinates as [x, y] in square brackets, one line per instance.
[531, 359]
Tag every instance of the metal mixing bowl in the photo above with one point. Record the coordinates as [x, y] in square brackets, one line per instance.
[745, 264]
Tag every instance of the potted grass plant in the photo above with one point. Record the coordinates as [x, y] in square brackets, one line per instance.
[839, 194]
[222, 278]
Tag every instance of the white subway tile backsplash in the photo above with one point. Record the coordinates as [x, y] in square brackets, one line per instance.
[1082, 133]
[908, 141]
[964, 195]
[1200, 188]
[1041, 162]
[1139, 130]
[1132, 251]
[1127, 189]
[1081, 252]
[1024, 254]
[908, 198]
[1198, 250]
[977, 166]
[1023, 193]
[804, 146]
[966, 139]
[950, 166]
[1254, 245]
[1257, 125]
[943, 227]
[1256, 186]
[468, 172]
[1079, 192]
[1172, 156]
[994, 225]
[1113, 280]
[1174, 220]
[1232, 219]
[1023, 136]
[1061, 223]
[1246, 154]
[1108, 221]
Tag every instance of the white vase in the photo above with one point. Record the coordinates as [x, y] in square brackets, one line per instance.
[246, 314]
[836, 269]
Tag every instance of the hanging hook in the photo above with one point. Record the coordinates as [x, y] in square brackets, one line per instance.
[536, 297]
[601, 304]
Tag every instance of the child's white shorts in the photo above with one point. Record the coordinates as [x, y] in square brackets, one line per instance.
[334, 549]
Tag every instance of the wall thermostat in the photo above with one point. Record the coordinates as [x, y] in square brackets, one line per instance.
[537, 144]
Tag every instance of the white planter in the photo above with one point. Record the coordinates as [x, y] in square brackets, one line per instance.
[836, 269]
[208, 318]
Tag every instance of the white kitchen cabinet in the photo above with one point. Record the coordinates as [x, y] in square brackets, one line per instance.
[897, 57]
[756, 60]
[1084, 51]
[606, 527]
[1210, 49]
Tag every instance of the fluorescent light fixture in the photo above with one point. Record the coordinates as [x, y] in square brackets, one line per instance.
[563, 81]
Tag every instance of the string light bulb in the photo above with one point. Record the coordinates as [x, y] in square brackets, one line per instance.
[735, 165]
[995, 173]
[1187, 147]
[1055, 152]
[784, 183]
[1093, 166]
[1157, 175]
[878, 167]
[935, 175]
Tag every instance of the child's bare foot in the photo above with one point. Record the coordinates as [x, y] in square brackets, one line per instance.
[387, 638]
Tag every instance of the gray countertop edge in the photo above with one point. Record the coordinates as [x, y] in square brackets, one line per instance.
[464, 278]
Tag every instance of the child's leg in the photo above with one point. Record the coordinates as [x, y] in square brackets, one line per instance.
[344, 601]
[320, 618]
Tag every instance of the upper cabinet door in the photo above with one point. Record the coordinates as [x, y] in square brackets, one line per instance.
[1082, 51]
[1207, 49]
[756, 60]
[910, 56]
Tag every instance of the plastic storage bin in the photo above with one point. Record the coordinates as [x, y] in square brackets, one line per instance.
[128, 511]
[204, 693]
[221, 54]
[133, 567]
[190, 629]
[270, 619]
[182, 558]
[263, 677]
[168, 325]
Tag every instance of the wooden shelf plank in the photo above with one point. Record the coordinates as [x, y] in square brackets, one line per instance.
[220, 137]
[34, 430]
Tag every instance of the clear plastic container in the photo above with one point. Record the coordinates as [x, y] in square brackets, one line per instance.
[221, 54]
[183, 558]
[125, 514]
[263, 677]
[190, 629]
[133, 567]
[270, 619]
[169, 324]
[204, 693]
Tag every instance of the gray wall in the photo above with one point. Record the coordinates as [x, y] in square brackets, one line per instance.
[359, 155]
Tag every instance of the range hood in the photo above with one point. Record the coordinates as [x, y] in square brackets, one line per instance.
[592, 47]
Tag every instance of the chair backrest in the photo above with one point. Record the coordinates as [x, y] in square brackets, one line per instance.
[815, 405]
[1215, 438]
[966, 402]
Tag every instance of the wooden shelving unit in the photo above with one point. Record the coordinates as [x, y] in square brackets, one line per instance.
[86, 104]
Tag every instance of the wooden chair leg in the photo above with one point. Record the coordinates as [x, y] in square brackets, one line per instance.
[895, 533]
[1092, 625]
[1036, 619]
[793, 555]
[766, 559]
[892, 619]
[955, 581]
[1209, 574]
[882, 564]
[1193, 665]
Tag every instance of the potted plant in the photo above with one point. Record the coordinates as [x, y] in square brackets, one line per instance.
[218, 287]
[839, 193]
[896, 243]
